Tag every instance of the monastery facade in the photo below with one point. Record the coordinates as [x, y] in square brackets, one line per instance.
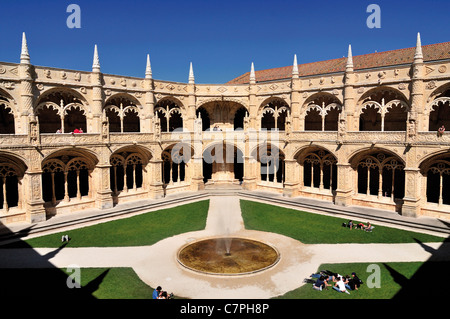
[355, 131]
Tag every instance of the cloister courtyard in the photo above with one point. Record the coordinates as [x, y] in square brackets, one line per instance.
[139, 255]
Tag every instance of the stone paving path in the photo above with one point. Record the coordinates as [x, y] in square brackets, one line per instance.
[157, 264]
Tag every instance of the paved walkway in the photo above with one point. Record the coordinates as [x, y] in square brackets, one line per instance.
[157, 264]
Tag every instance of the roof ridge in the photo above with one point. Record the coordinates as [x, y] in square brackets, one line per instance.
[356, 58]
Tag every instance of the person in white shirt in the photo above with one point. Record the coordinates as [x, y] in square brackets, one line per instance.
[340, 286]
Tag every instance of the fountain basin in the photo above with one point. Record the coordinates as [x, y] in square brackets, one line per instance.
[228, 256]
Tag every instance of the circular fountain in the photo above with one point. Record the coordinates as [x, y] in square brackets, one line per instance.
[228, 256]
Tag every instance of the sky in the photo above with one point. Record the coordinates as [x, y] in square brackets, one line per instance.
[220, 38]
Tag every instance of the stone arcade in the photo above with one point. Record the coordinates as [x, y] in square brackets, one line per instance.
[360, 130]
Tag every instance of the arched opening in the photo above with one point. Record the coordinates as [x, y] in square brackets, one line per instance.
[66, 177]
[223, 163]
[75, 119]
[122, 112]
[203, 114]
[436, 171]
[174, 164]
[131, 121]
[274, 114]
[271, 164]
[117, 173]
[175, 120]
[440, 115]
[239, 118]
[52, 122]
[281, 119]
[380, 174]
[322, 112]
[61, 110]
[223, 115]
[332, 119]
[11, 175]
[313, 120]
[170, 115]
[395, 118]
[383, 109]
[6, 118]
[370, 119]
[267, 120]
[127, 171]
[319, 169]
[112, 113]
[54, 179]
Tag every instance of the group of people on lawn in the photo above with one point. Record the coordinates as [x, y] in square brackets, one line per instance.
[352, 225]
[339, 283]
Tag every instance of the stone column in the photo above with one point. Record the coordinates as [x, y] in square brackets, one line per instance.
[101, 188]
[154, 177]
[345, 188]
[196, 162]
[411, 201]
[32, 188]
[103, 199]
[26, 99]
[291, 178]
[250, 177]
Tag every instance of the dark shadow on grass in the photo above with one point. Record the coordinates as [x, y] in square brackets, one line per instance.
[35, 278]
[93, 285]
[427, 282]
[396, 276]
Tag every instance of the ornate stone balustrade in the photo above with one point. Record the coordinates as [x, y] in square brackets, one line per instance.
[432, 138]
[52, 139]
[124, 138]
[13, 140]
[313, 136]
[375, 137]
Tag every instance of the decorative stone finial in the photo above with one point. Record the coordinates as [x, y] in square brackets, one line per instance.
[24, 55]
[418, 54]
[252, 74]
[148, 68]
[96, 62]
[191, 75]
[295, 67]
[349, 65]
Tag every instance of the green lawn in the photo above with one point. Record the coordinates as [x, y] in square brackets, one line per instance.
[397, 279]
[139, 230]
[407, 280]
[312, 228]
[95, 283]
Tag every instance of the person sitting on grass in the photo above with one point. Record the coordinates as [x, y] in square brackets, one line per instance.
[354, 283]
[369, 227]
[340, 286]
[321, 284]
[346, 281]
[362, 226]
[328, 275]
[156, 292]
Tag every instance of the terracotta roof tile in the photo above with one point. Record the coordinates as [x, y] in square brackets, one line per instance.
[431, 52]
